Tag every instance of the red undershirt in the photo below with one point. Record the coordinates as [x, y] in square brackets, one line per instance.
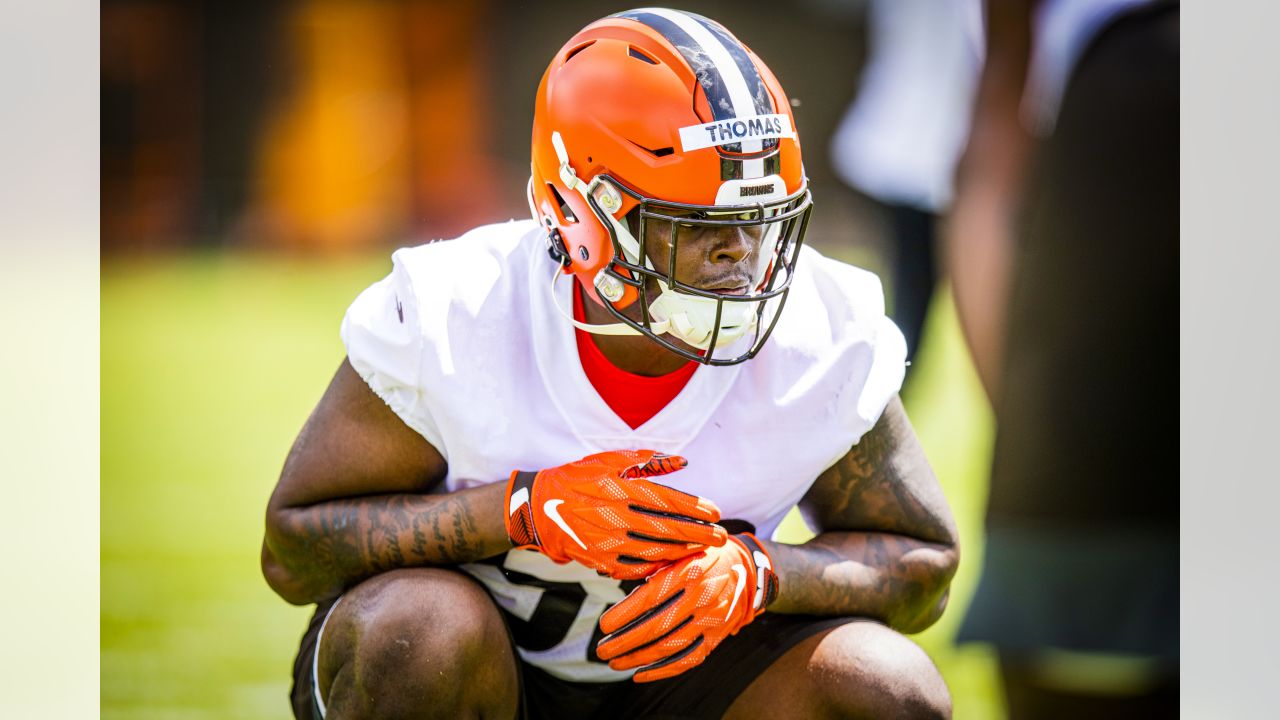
[634, 398]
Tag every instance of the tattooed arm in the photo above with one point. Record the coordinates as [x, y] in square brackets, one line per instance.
[351, 501]
[886, 546]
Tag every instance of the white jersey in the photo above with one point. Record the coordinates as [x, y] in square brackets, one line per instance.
[463, 342]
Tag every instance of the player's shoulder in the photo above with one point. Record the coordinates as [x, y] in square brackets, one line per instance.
[830, 304]
[848, 293]
[472, 266]
[833, 341]
[480, 274]
[482, 245]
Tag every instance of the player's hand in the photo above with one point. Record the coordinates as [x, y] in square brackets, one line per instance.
[602, 512]
[681, 613]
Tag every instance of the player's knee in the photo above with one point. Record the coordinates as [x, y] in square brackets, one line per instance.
[419, 643]
[867, 670]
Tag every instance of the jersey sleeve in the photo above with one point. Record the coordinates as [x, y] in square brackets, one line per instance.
[888, 369]
[855, 299]
[382, 331]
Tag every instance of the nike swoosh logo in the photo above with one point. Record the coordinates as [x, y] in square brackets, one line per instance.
[741, 572]
[518, 498]
[552, 511]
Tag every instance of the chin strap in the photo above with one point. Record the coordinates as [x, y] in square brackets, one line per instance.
[659, 327]
[679, 322]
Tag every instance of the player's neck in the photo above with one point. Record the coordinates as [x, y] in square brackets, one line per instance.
[635, 354]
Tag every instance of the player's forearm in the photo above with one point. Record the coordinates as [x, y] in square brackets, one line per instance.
[899, 580]
[317, 551]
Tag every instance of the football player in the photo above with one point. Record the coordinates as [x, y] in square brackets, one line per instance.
[545, 480]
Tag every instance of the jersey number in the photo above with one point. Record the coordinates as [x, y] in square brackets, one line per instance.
[559, 605]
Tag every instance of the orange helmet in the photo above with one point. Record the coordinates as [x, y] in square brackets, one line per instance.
[663, 115]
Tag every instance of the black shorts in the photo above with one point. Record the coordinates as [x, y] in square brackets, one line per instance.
[706, 691]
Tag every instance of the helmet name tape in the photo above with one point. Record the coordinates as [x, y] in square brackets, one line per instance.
[730, 132]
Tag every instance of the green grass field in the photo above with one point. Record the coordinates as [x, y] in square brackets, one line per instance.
[210, 364]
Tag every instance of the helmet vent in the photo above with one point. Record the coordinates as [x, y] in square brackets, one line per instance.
[633, 52]
[565, 211]
[577, 50]
[660, 152]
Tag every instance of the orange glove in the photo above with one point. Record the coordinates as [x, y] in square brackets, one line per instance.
[601, 512]
[681, 613]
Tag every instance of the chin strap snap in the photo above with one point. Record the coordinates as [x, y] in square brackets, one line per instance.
[606, 329]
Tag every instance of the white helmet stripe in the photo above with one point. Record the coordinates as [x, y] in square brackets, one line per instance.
[740, 95]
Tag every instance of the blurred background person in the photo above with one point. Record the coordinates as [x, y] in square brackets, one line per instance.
[308, 125]
[1062, 245]
[899, 140]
